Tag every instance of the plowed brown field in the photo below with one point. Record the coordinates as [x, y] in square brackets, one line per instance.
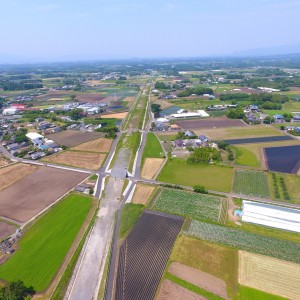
[170, 290]
[85, 160]
[99, 145]
[11, 174]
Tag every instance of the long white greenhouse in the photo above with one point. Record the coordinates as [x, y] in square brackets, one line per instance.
[271, 215]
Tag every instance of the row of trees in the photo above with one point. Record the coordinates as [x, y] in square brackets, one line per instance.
[21, 85]
[195, 90]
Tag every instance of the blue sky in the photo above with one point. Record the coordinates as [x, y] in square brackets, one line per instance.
[45, 30]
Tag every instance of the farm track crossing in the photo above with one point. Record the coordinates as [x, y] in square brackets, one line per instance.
[266, 139]
[144, 255]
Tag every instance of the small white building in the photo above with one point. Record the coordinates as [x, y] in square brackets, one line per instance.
[34, 136]
[9, 111]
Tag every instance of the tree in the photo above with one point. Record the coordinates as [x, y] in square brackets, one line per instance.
[200, 189]
[155, 108]
[16, 290]
[237, 113]
[204, 156]
[76, 113]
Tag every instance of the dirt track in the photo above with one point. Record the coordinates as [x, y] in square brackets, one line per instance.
[6, 230]
[33, 193]
[170, 290]
[71, 138]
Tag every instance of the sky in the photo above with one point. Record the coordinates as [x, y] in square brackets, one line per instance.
[45, 30]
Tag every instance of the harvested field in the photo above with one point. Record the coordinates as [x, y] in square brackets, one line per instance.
[43, 187]
[284, 159]
[11, 174]
[4, 161]
[144, 255]
[90, 97]
[209, 123]
[170, 290]
[85, 160]
[199, 278]
[6, 230]
[142, 193]
[99, 145]
[269, 275]
[57, 94]
[120, 115]
[71, 138]
[151, 167]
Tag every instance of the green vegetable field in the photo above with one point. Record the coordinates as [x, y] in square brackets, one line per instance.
[240, 239]
[251, 183]
[45, 245]
[195, 206]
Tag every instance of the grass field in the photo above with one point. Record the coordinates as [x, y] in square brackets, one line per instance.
[246, 293]
[45, 245]
[212, 177]
[152, 147]
[251, 183]
[130, 214]
[192, 205]
[213, 259]
[246, 157]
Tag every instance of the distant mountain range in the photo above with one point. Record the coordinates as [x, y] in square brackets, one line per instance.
[268, 51]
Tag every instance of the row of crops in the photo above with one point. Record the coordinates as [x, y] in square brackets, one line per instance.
[252, 183]
[280, 188]
[195, 206]
[277, 248]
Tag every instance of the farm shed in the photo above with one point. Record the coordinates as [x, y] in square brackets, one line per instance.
[271, 215]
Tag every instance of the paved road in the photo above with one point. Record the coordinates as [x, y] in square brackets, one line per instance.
[89, 270]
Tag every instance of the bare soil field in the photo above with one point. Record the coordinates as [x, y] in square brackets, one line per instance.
[99, 145]
[71, 138]
[199, 278]
[11, 174]
[6, 230]
[164, 104]
[4, 161]
[85, 160]
[151, 167]
[42, 187]
[91, 97]
[209, 123]
[270, 275]
[120, 115]
[57, 94]
[142, 193]
[170, 290]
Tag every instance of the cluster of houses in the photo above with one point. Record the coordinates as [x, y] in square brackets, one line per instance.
[46, 127]
[193, 141]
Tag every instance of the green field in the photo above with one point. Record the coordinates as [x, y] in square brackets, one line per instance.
[237, 238]
[192, 205]
[253, 183]
[152, 148]
[214, 259]
[246, 293]
[45, 245]
[212, 177]
[130, 214]
[246, 157]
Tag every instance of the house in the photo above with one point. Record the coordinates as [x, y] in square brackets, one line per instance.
[83, 188]
[38, 120]
[178, 143]
[13, 146]
[189, 133]
[37, 155]
[34, 136]
[9, 111]
[278, 117]
[296, 118]
[289, 128]
[56, 129]
[297, 129]
[253, 108]
[203, 138]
